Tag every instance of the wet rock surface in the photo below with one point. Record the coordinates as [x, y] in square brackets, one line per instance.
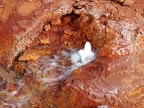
[37, 39]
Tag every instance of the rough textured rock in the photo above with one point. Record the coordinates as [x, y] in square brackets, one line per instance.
[137, 5]
[37, 38]
[21, 22]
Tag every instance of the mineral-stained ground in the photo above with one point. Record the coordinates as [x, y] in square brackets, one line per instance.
[37, 38]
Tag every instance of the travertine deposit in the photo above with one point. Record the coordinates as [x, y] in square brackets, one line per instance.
[38, 37]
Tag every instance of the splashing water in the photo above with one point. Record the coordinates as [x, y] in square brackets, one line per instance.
[102, 106]
[77, 58]
[83, 56]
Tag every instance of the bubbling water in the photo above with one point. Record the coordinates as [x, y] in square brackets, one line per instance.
[53, 70]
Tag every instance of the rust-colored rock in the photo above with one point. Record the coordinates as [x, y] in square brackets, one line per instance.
[20, 26]
[29, 55]
[20, 66]
[13, 87]
[47, 27]
[56, 22]
[37, 38]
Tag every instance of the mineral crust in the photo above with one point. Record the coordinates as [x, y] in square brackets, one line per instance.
[37, 38]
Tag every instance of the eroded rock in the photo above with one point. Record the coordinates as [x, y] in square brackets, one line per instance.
[48, 31]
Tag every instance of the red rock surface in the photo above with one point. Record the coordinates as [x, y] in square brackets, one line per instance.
[21, 22]
[34, 35]
[137, 5]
